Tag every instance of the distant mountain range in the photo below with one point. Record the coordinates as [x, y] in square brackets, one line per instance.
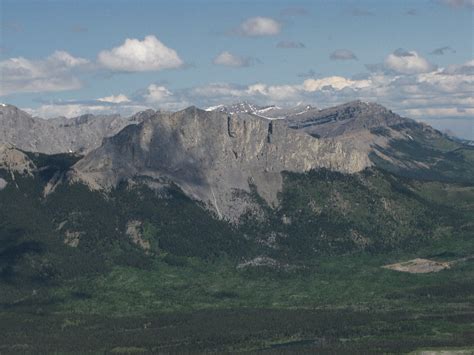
[60, 135]
[219, 155]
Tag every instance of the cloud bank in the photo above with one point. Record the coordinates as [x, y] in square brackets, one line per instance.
[54, 73]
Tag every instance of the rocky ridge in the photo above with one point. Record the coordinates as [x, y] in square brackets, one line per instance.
[59, 135]
[215, 156]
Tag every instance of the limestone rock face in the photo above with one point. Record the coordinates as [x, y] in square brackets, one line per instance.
[15, 161]
[214, 156]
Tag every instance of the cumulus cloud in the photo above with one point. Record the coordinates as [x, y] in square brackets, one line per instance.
[275, 93]
[231, 60]
[134, 55]
[157, 93]
[290, 44]
[54, 73]
[334, 83]
[407, 62]
[343, 54]
[443, 50]
[115, 99]
[259, 26]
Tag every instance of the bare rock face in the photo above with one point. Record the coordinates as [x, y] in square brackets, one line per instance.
[15, 161]
[214, 157]
[60, 135]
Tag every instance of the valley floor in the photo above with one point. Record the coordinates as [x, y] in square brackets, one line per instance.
[185, 304]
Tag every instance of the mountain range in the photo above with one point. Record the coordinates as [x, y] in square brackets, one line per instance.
[59, 135]
[217, 156]
[107, 220]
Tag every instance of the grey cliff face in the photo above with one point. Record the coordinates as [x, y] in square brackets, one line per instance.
[15, 161]
[59, 135]
[214, 156]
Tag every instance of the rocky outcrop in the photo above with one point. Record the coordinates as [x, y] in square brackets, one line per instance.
[15, 161]
[215, 157]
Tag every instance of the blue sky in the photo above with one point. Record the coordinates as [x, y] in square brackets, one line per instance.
[413, 56]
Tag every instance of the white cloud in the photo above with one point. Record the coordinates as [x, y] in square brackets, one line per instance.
[62, 58]
[74, 109]
[407, 62]
[335, 83]
[54, 73]
[159, 97]
[231, 60]
[259, 26]
[441, 82]
[135, 56]
[114, 99]
[274, 92]
[463, 69]
[157, 94]
[216, 91]
[66, 110]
